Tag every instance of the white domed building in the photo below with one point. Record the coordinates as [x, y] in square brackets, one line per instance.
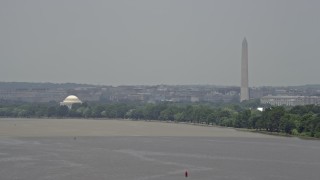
[70, 100]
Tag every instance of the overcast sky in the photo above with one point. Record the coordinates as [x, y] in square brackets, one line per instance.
[134, 42]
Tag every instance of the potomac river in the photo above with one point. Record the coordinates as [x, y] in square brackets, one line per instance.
[81, 149]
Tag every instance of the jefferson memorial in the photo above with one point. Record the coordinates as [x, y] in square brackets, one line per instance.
[70, 100]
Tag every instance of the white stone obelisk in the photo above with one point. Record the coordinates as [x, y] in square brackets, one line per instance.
[244, 92]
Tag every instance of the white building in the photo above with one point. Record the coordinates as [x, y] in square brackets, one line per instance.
[290, 100]
[70, 100]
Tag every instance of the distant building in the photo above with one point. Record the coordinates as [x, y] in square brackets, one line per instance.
[260, 109]
[290, 100]
[70, 100]
[32, 94]
[194, 99]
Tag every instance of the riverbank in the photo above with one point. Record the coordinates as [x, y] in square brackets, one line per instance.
[277, 134]
[19, 127]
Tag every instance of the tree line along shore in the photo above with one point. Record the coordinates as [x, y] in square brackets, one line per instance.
[297, 120]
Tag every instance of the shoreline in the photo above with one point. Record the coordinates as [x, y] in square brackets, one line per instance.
[19, 127]
[275, 134]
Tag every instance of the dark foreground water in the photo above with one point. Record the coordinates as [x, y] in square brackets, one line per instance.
[158, 158]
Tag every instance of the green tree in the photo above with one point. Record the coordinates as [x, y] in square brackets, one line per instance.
[287, 124]
[87, 112]
[178, 116]
[52, 111]
[62, 111]
[242, 121]
[254, 118]
[272, 117]
[97, 111]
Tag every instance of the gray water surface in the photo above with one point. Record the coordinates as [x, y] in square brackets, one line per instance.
[158, 158]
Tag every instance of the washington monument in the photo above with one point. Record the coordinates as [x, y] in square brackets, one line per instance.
[244, 93]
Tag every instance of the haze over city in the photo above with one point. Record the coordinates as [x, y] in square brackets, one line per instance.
[159, 42]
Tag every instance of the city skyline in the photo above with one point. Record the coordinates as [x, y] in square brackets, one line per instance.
[159, 42]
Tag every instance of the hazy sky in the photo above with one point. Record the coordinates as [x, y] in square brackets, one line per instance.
[124, 42]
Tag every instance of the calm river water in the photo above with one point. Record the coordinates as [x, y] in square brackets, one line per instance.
[154, 157]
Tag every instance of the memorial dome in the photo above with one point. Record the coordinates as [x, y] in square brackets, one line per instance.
[70, 100]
